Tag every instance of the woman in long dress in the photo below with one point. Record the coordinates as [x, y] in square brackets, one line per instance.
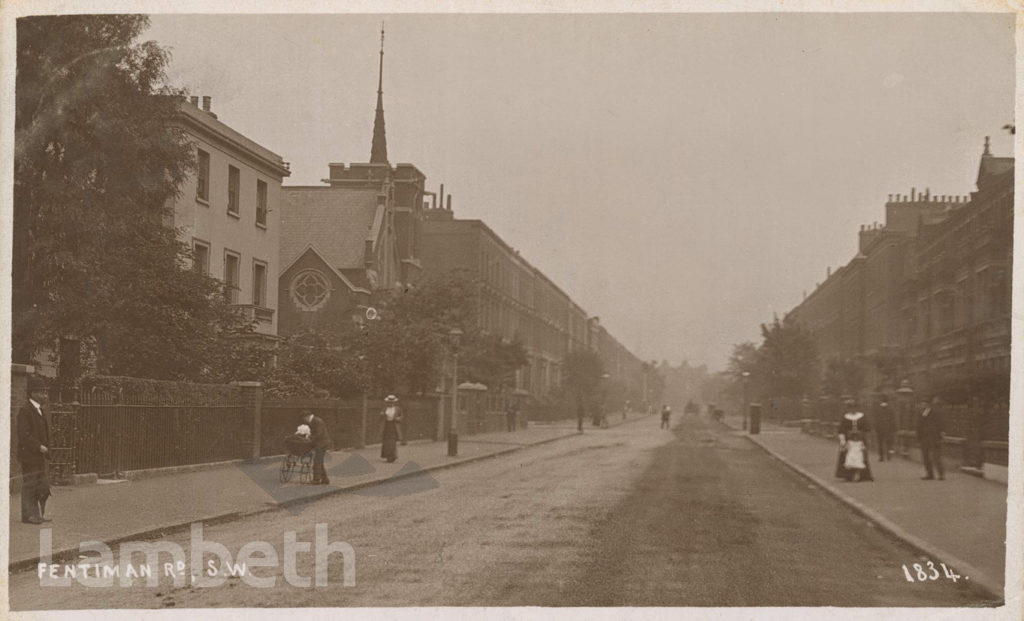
[392, 416]
[853, 449]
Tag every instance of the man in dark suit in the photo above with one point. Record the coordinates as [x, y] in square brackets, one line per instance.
[929, 436]
[321, 440]
[885, 428]
[33, 449]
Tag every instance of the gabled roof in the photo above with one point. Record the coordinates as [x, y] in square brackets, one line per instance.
[313, 249]
[334, 220]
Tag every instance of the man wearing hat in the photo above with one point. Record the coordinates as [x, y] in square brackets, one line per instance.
[33, 449]
[321, 441]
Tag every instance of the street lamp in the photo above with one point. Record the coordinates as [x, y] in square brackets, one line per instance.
[746, 397]
[454, 337]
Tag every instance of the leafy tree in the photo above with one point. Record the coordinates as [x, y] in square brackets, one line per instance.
[493, 361]
[582, 371]
[787, 359]
[98, 161]
[842, 376]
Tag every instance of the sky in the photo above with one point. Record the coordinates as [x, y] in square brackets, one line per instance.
[683, 177]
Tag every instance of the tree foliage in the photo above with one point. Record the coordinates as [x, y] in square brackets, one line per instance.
[582, 370]
[842, 376]
[98, 161]
[404, 350]
[788, 359]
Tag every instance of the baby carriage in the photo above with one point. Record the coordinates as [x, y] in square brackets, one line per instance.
[300, 454]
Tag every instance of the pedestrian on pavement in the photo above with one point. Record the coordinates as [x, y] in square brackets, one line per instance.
[392, 417]
[666, 413]
[320, 439]
[33, 453]
[581, 413]
[885, 429]
[853, 449]
[511, 414]
[930, 427]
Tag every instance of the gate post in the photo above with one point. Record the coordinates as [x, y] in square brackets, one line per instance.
[252, 404]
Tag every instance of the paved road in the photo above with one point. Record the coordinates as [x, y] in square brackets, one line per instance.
[627, 516]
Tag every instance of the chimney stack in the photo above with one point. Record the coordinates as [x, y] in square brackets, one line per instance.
[206, 103]
[913, 192]
[195, 100]
[449, 201]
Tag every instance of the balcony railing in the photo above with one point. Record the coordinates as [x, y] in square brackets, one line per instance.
[253, 312]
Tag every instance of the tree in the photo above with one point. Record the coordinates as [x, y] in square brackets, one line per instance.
[401, 351]
[582, 371]
[842, 376]
[787, 359]
[98, 161]
[492, 360]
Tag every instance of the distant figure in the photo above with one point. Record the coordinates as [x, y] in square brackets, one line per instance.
[666, 413]
[929, 435]
[511, 414]
[625, 410]
[885, 429]
[392, 432]
[853, 449]
[581, 412]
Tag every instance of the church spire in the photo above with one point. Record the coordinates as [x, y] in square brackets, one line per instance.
[379, 148]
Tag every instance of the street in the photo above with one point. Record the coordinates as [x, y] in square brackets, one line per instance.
[628, 516]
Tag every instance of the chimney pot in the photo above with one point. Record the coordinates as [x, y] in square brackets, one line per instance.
[195, 100]
[206, 103]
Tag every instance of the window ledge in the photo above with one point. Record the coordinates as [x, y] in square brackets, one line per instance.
[202, 201]
[261, 226]
[234, 214]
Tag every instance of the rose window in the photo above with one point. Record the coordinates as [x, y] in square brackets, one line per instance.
[310, 290]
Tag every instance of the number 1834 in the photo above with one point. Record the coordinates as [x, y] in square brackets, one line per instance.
[919, 573]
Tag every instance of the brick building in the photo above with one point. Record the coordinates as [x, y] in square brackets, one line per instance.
[519, 301]
[355, 236]
[929, 290]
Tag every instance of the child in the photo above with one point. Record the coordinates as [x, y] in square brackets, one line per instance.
[303, 431]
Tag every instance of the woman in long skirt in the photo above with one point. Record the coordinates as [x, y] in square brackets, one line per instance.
[392, 416]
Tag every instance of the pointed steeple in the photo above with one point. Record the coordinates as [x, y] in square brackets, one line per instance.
[379, 148]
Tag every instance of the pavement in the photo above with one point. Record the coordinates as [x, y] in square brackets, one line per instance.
[631, 516]
[960, 521]
[144, 508]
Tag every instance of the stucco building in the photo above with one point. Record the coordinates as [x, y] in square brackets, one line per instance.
[229, 212]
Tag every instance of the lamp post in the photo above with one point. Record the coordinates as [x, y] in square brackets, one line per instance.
[454, 336]
[746, 397]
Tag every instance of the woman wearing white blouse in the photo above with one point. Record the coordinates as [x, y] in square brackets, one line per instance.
[392, 416]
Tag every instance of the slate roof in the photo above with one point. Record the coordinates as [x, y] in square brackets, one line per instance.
[334, 220]
[993, 167]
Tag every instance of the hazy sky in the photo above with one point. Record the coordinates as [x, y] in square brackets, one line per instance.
[681, 176]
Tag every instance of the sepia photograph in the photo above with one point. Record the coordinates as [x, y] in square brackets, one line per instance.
[604, 310]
